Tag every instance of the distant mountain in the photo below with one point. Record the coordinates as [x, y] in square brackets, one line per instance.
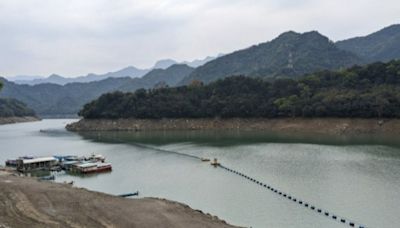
[383, 45]
[200, 62]
[24, 78]
[164, 63]
[291, 54]
[54, 99]
[169, 77]
[130, 71]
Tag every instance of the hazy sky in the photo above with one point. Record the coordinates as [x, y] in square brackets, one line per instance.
[75, 37]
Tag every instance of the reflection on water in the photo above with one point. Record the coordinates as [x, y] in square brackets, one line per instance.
[357, 177]
[232, 138]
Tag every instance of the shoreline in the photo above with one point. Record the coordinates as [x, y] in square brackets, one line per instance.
[335, 126]
[17, 119]
[28, 202]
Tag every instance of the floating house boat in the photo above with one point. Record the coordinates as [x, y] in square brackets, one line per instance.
[86, 168]
[33, 164]
[92, 164]
[68, 165]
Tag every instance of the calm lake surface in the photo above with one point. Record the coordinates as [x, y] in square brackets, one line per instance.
[358, 178]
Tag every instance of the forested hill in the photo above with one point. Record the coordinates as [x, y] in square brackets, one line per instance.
[52, 99]
[12, 108]
[369, 91]
[289, 55]
[383, 45]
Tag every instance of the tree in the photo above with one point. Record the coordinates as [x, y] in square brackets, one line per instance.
[367, 92]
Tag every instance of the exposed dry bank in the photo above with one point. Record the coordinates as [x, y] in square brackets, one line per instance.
[16, 119]
[301, 125]
[25, 202]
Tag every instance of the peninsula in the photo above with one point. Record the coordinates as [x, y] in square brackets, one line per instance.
[357, 100]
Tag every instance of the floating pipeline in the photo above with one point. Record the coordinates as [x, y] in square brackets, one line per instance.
[304, 204]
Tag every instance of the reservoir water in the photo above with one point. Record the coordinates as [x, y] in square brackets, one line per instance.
[357, 177]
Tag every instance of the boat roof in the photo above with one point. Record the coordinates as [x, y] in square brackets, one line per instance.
[36, 160]
[70, 162]
[103, 164]
[86, 165]
[98, 156]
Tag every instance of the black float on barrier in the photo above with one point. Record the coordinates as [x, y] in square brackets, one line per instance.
[342, 220]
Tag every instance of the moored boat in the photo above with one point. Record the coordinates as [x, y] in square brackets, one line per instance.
[11, 163]
[86, 168]
[96, 157]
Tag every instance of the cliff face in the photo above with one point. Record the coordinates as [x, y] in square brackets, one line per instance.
[301, 125]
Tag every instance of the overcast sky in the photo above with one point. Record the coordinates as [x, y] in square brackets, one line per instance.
[75, 37]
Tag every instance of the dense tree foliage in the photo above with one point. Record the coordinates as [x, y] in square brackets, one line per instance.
[10, 107]
[383, 45]
[369, 91]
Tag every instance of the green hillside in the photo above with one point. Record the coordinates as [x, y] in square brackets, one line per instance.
[383, 45]
[368, 92]
[12, 107]
[291, 54]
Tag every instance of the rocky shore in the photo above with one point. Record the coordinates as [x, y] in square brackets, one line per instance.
[26, 202]
[301, 125]
[16, 119]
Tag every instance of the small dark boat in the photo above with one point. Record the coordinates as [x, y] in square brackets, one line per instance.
[11, 163]
[129, 194]
[47, 178]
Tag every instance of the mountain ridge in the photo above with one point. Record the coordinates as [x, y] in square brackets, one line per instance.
[290, 54]
[382, 45]
[54, 99]
[129, 71]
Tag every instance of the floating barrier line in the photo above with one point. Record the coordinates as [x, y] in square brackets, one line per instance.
[325, 213]
[341, 219]
[167, 151]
